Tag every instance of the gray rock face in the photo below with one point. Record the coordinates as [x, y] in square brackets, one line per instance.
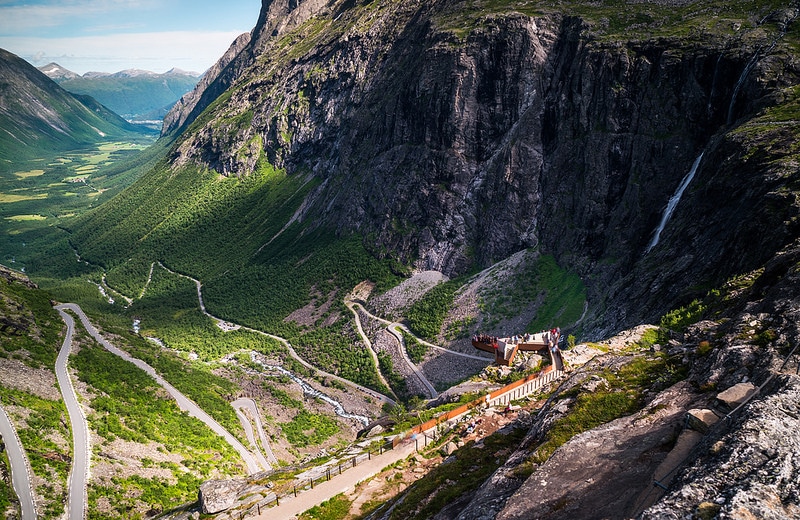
[276, 17]
[207, 89]
[753, 472]
[621, 456]
[527, 132]
[218, 495]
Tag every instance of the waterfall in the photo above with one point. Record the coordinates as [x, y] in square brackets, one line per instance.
[313, 392]
[673, 202]
[713, 85]
[739, 83]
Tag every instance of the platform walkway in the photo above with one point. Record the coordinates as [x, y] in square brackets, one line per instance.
[403, 446]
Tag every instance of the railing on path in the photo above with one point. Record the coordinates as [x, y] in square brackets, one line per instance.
[339, 467]
[425, 433]
[516, 390]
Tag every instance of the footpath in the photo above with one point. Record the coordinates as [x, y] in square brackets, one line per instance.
[293, 506]
[404, 445]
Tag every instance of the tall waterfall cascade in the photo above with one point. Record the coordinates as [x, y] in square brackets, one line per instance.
[673, 202]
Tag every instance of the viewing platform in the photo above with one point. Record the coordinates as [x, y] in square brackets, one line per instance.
[505, 349]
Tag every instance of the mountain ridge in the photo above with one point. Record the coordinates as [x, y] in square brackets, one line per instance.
[133, 93]
[370, 140]
[37, 116]
[328, 120]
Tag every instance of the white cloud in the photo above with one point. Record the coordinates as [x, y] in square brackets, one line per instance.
[156, 51]
[18, 19]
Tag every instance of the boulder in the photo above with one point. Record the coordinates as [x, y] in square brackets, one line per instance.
[218, 495]
[736, 395]
[594, 383]
[701, 419]
[449, 448]
[376, 430]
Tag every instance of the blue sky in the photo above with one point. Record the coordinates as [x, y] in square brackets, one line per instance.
[113, 35]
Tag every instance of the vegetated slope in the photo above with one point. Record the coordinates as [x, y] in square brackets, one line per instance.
[449, 136]
[38, 118]
[30, 333]
[133, 94]
[453, 136]
[565, 129]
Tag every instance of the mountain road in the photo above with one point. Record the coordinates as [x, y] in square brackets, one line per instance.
[76, 494]
[20, 469]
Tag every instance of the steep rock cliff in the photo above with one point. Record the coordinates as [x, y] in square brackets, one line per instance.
[455, 138]
[276, 18]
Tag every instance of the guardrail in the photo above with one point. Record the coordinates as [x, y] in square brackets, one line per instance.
[425, 433]
[274, 499]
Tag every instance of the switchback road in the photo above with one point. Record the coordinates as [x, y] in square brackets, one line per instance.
[20, 469]
[76, 497]
[184, 403]
[245, 403]
[220, 322]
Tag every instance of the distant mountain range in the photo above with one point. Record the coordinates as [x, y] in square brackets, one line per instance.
[137, 95]
[38, 117]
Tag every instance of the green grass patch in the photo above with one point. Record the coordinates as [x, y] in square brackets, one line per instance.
[395, 380]
[28, 174]
[283, 398]
[426, 316]
[564, 296]
[32, 327]
[416, 350]
[44, 422]
[309, 429]
[25, 218]
[131, 406]
[335, 508]
[7, 495]
[127, 494]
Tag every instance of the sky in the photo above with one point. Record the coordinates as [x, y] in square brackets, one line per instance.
[114, 35]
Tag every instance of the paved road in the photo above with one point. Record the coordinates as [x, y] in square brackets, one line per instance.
[248, 404]
[293, 506]
[76, 497]
[184, 403]
[368, 343]
[432, 393]
[292, 352]
[20, 469]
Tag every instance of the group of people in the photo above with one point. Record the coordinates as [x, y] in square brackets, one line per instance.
[471, 426]
[485, 338]
[552, 339]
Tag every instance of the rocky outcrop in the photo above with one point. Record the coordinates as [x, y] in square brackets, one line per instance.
[748, 472]
[622, 455]
[276, 17]
[216, 496]
[210, 86]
